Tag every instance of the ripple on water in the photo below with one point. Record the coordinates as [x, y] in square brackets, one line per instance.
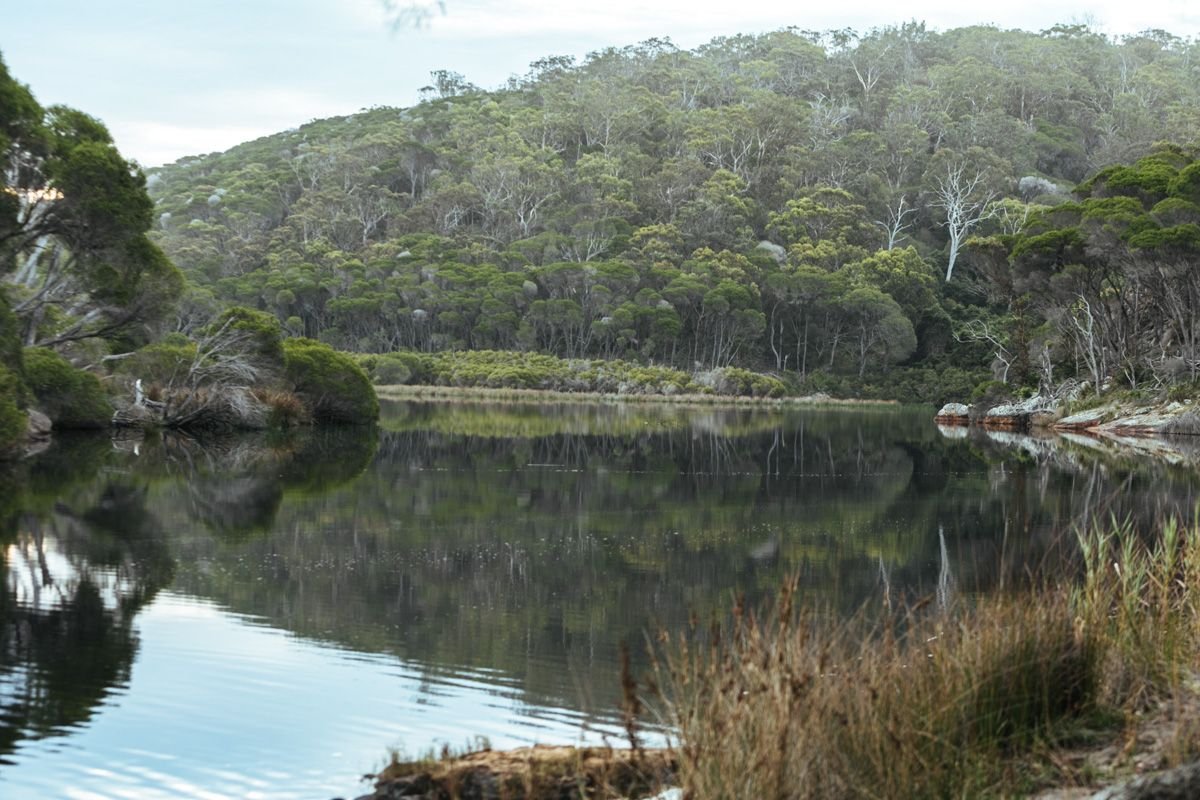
[221, 706]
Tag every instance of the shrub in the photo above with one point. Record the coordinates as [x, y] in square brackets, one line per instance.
[394, 369]
[264, 344]
[332, 386]
[163, 362]
[10, 338]
[71, 397]
[12, 417]
[736, 381]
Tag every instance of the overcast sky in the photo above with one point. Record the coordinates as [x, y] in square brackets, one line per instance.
[181, 77]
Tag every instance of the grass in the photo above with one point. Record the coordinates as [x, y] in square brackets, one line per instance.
[963, 702]
[984, 699]
[540, 395]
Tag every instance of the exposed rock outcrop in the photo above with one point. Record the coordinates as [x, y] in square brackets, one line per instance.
[1181, 783]
[953, 414]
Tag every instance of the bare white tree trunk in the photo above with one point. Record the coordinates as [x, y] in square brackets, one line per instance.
[966, 202]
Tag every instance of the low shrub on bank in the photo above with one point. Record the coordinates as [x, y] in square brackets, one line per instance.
[932, 703]
[520, 370]
[13, 422]
[741, 382]
[70, 397]
[331, 385]
[932, 386]
[163, 362]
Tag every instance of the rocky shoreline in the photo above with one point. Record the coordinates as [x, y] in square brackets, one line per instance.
[1115, 417]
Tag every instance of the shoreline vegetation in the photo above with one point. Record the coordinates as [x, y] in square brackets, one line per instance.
[1051, 690]
[237, 373]
[1074, 410]
[485, 393]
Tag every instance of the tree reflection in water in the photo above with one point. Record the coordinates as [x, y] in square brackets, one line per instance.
[523, 542]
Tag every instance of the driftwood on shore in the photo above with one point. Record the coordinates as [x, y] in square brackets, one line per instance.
[541, 772]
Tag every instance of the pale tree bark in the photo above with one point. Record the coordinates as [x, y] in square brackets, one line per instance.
[964, 198]
[896, 222]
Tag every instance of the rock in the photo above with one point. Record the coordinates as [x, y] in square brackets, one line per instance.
[1180, 783]
[133, 416]
[1020, 416]
[953, 414]
[1144, 421]
[773, 250]
[1084, 419]
[39, 426]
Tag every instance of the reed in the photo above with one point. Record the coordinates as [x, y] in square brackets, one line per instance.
[928, 702]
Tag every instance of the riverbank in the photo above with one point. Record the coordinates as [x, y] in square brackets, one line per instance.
[481, 393]
[1114, 415]
[1082, 680]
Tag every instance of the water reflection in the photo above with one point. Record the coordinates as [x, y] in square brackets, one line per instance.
[480, 556]
[72, 578]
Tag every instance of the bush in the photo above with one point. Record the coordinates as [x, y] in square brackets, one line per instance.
[71, 397]
[264, 347]
[332, 386]
[10, 339]
[162, 362]
[394, 369]
[12, 418]
[736, 381]
[991, 389]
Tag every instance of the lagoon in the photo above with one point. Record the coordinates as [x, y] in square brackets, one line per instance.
[266, 616]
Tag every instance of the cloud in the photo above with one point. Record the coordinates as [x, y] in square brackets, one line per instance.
[693, 21]
[156, 143]
[242, 114]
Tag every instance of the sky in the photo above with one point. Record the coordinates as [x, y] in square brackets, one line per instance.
[173, 78]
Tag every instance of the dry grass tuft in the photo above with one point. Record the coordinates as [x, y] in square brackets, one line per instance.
[932, 704]
[284, 409]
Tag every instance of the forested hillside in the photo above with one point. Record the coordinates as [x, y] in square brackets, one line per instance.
[840, 208]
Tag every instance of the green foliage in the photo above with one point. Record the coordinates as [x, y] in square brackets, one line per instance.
[164, 362]
[11, 352]
[590, 211]
[111, 282]
[12, 417]
[743, 382]
[933, 385]
[263, 334]
[331, 385]
[71, 397]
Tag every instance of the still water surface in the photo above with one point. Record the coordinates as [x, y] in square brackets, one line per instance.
[265, 617]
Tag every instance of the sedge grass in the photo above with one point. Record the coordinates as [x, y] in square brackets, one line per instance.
[932, 703]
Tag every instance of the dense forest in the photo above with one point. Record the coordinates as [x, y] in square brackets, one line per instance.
[905, 214]
[889, 213]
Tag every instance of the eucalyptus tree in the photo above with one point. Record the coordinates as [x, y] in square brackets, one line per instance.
[74, 256]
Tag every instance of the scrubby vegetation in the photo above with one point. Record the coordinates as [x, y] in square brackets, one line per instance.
[517, 370]
[874, 213]
[331, 385]
[938, 703]
[12, 416]
[71, 397]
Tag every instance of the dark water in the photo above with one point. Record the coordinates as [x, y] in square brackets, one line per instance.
[265, 617]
